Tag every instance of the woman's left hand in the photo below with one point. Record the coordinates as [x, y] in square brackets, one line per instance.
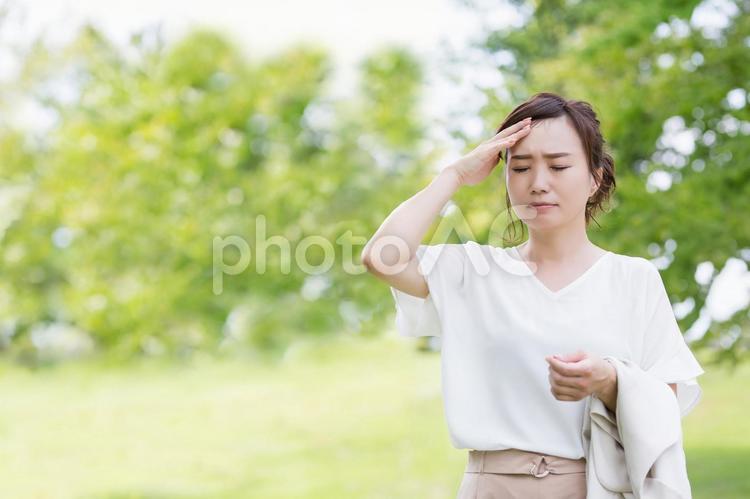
[578, 375]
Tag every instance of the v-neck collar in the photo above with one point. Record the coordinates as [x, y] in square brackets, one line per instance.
[567, 287]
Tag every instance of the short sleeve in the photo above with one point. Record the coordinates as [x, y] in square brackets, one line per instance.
[443, 267]
[665, 354]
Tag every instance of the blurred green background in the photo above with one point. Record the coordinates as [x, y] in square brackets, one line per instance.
[124, 372]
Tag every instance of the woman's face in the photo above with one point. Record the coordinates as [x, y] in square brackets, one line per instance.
[548, 165]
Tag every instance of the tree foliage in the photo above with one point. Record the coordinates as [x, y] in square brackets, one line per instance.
[158, 149]
[654, 72]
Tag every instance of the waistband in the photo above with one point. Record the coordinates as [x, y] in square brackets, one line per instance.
[516, 461]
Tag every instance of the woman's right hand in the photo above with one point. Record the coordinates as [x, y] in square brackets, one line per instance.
[479, 163]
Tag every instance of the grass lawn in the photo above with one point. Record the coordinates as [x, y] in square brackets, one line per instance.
[348, 418]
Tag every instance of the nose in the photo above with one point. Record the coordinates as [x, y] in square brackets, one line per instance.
[539, 180]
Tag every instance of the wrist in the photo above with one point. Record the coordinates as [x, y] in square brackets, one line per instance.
[452, 173]
[609, 384]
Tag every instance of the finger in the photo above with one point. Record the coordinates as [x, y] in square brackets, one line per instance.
[568, 382]
[565, 368]
[506, 142]
[516, 129]
[514, 137]
[572, 357]
[572, 360]
[566, 393]
[513, 128]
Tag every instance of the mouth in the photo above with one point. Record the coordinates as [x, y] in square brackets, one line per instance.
[537, 205]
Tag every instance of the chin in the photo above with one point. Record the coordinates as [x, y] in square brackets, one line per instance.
[543, 225]
[533, 217]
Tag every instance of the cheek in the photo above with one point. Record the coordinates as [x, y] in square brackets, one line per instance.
[574, 189]
[511, 187]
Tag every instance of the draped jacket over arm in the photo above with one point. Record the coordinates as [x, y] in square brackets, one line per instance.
[636, 452]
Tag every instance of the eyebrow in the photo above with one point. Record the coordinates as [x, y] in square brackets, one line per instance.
[550, 155]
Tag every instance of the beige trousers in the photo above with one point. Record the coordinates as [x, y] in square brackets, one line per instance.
[519, 474]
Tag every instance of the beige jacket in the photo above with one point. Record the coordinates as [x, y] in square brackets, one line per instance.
[635, 453]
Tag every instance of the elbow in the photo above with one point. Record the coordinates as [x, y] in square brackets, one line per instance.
[380, 263]
[365, 258]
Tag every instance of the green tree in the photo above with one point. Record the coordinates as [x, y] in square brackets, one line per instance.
[158, 149]
[651, 72]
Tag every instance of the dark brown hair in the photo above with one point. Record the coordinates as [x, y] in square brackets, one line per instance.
[546, 105]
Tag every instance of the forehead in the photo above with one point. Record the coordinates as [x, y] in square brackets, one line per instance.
[549, 136]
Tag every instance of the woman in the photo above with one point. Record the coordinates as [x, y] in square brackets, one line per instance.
[524, 329]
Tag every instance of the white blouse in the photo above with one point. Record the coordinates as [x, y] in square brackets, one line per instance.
[497, 322]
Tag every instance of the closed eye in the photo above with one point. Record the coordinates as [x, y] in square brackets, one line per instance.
[556, 168]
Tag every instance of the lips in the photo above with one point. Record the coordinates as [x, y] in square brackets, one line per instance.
[543, 204]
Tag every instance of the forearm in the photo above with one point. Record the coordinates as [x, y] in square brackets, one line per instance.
[410, 220]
